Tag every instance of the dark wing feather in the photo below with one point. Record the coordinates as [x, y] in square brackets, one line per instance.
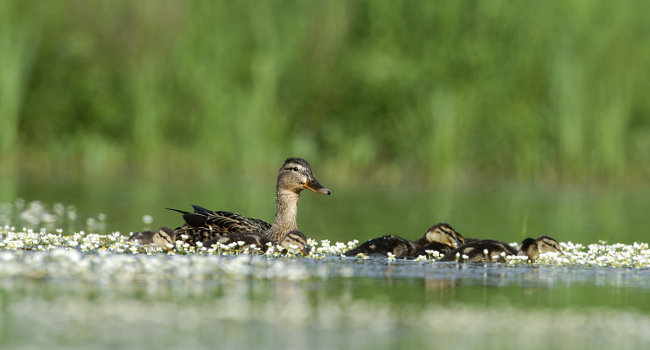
[228, 223]
[195, 220]
[204, 224]
[199, 209]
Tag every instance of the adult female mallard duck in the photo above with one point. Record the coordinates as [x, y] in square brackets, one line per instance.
[489, 250]
[294, 176]
[291, 240]
[441, 233]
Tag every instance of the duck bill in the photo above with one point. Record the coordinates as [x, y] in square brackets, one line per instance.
[314, 185]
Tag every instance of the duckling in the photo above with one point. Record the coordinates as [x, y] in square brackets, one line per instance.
[294, 176]
[441, 234]
[542, 244]
[293, 239]
[144, 237]
[476, 251]
[161, 238]
[165, 238]
[489, 250]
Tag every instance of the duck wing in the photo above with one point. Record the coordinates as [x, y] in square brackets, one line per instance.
[204, 224]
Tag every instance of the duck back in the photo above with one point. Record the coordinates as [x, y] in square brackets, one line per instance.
[398, 246]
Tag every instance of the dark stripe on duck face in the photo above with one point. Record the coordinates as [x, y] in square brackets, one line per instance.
[547, 244]
[292, 161]
[301, 171]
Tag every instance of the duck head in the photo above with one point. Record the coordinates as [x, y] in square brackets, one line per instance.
[165, 238]
[445, 234]
[542, 244]
[295, 175]
[295, 240]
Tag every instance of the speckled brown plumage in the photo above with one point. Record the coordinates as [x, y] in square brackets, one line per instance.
[294, 176]
[204, 224]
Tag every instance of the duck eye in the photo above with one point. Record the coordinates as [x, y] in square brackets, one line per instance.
[294, 168]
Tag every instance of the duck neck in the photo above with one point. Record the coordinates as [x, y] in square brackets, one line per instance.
[285, 215]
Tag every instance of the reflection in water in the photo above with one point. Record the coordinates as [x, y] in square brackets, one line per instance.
[439, 284]
[277, 313]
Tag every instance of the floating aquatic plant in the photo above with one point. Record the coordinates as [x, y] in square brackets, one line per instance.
[51, 239]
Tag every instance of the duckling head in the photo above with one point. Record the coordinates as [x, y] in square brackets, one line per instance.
[445, 234]
[547, 244]
[295, 240]
[542, 244]
[295, 175]
[165, 238]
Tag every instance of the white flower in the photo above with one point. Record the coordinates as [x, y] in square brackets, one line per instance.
[147, 219]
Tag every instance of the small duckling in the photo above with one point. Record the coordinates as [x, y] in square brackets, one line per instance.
[476, 251]
[160, 238]
[489, 250]
[440, 235]
[292, 239]
[144, 237]
[165, 238]
[532, 248]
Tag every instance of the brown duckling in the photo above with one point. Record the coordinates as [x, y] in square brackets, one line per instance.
[165, 238]
[292, 240]
[442, 234]
[161, 238]
[294, 176]
[489, 250]
[144, 237]
[532, 248]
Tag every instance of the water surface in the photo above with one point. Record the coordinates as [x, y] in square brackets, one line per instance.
[68, 298]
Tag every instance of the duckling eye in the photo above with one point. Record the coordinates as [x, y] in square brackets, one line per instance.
[294, 168]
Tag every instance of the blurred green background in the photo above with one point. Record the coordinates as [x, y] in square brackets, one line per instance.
[425, 94]
[427, 89]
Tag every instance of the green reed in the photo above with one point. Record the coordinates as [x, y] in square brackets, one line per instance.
[526, 90]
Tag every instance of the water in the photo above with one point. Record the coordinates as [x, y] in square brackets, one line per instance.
[502, 211]
[73, 298]
[259, 302]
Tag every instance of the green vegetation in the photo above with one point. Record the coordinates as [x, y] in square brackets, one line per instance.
[554, 90]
